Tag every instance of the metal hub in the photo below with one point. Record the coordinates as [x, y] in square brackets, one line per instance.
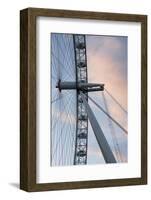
[82, 86]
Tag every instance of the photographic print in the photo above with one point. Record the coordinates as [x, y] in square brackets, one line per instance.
[88, 99]
[83, 93]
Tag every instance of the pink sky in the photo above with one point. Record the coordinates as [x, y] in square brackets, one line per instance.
[107, 64]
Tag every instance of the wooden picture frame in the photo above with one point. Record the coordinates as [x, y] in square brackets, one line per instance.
[28, 98]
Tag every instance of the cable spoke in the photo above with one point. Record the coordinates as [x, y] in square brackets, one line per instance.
[119, 104]
[118, 124]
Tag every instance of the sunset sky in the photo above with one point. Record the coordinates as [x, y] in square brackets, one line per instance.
[107, 64]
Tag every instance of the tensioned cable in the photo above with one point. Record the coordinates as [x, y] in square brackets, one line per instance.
[117, 123]
[62, 61]
[65, 53]
[61, 131]
[66, 138]
[56, 120]
[112, 130]
[115, 100]
[68, 51]
[69, 127]
[62, 65]
[59, 98]
[66, 144]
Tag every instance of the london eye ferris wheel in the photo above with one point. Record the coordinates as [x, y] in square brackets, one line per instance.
[72, 116]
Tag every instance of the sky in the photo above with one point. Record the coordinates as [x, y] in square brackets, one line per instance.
[107, 64]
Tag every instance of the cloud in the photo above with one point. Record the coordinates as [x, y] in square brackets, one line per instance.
[107, 64]
[104, 66]
[115, 47]
[103, 70]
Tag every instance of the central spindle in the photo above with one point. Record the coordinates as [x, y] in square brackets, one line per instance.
[89, 87]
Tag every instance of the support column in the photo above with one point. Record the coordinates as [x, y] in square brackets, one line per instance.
[103, 144]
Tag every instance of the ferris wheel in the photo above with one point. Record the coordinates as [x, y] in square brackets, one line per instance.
[70, 109]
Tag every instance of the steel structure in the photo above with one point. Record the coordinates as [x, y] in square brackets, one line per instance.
[81, 142]
[83, 109]
[80, 87]
[103, 144]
